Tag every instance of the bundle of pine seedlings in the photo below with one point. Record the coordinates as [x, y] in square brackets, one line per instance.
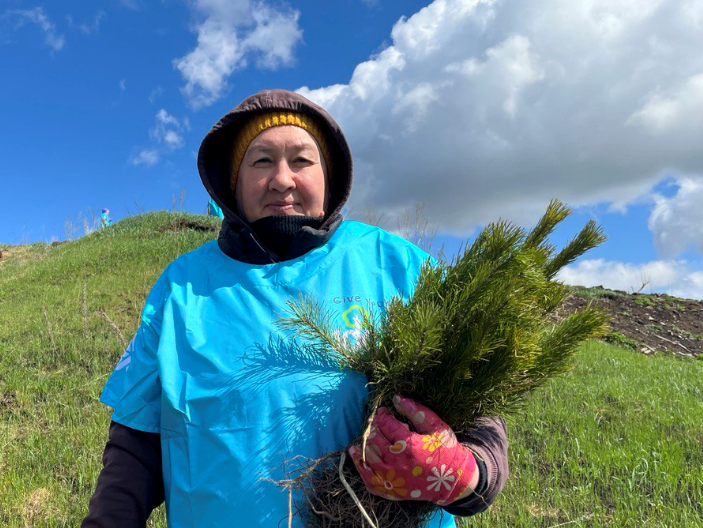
[474, 340]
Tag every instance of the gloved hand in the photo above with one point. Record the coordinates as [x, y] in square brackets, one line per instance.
[429, 464]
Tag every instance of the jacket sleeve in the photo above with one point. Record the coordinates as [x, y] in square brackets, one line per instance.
[130, 485]
[489, 442]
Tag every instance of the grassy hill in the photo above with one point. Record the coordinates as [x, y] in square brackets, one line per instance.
[616, 442]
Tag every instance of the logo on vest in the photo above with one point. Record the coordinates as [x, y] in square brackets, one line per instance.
[353, 318]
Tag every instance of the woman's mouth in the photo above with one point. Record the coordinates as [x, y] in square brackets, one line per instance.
[282, 207]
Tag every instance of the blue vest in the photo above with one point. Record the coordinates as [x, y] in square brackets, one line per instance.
[239, 402]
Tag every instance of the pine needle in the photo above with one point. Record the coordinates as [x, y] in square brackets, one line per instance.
[475, 339]
[478, 335]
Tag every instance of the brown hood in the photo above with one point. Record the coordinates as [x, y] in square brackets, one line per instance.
[215, 150]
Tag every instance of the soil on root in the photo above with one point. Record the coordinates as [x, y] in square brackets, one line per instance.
[329, 505]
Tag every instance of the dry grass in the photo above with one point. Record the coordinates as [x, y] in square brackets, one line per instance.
[38, 507]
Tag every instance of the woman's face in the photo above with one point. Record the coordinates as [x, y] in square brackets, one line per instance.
[282, 173]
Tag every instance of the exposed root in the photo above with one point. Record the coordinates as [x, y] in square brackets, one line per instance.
[369, 420]
[329, 505]
[349, 489]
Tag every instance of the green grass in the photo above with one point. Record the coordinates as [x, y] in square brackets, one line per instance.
[66, 313]
[621, 340]
[597, 292]
[644, 300]
[617, 442]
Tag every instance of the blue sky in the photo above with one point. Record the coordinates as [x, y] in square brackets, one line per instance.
[478, 109]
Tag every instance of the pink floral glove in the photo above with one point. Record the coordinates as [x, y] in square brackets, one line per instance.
[428, 465]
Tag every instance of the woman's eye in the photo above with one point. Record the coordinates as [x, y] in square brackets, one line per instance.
[262, 161]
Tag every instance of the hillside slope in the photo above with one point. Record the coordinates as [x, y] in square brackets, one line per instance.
[67, 312]
[614, 443]
[648, 323]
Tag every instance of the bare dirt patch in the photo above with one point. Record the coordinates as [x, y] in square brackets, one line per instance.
[647, 323]
[8, 401]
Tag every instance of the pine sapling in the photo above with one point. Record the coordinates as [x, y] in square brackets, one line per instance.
[475, 338]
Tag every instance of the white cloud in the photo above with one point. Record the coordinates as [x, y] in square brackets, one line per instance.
[488, 108]
[155, 94]
[130, 4]
[677, 221]
[663, 114]
[661, 276]
[38, 16]
[167, 130]
[89, 28]
[123, 85]
[231, 34]
[208, 66]
[146, 157]
[273, 38]
[167, 133]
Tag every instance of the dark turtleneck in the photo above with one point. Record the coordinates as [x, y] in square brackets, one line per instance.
[277, 232]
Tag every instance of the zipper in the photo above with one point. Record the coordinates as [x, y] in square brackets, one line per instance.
[268, 253]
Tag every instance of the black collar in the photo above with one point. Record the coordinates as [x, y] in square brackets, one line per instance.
[274, 240]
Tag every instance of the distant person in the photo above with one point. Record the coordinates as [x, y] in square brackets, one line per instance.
[214, 210]
[105, 219]
[210, 398]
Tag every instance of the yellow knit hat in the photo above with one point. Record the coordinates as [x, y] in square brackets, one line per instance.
[260, 122]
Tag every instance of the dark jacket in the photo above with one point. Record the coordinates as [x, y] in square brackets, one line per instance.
[130, 484]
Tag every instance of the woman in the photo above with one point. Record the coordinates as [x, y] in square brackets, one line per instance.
[212, 403]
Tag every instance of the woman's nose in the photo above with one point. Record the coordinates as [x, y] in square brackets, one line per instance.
[283, 178]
